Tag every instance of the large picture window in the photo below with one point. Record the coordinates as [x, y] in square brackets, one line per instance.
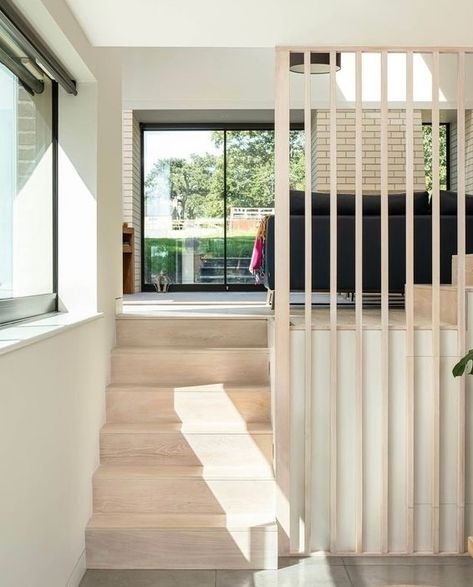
[27, 260]
[29, 78]
[204, 191]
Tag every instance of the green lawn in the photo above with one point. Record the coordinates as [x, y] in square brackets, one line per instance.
[164, 254]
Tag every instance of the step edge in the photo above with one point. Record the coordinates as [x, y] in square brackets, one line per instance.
[160, 428]
[252, 475]
[151, 522]
[174, 349]
[136, 388]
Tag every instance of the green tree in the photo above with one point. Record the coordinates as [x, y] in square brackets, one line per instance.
[196, 184]
[250, 166]
[193, 185]
[427, 139]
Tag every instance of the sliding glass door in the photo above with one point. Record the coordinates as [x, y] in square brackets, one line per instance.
[183, 206]
[204, 192]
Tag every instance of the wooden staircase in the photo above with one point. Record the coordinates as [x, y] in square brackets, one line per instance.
[186, 480]
[422, 295]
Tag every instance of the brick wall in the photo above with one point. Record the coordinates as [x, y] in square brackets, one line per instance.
[26, 137]
[131, 182]
[371, 151]
[453, 156]
[468, 153]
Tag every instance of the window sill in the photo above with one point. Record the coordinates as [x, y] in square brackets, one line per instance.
[17, 336]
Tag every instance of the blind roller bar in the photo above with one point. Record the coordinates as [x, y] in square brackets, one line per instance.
[28, 80]
[28, 41]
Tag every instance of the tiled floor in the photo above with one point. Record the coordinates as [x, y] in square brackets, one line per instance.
[309, 572]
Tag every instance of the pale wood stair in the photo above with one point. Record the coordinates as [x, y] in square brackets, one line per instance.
[468, 270]
[422, 294]
[192, 332]
[422, 297]
[198, 403]
[186, 477]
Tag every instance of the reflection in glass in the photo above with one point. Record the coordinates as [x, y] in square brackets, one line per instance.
[26, 219]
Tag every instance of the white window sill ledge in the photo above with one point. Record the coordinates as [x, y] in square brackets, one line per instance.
[17, 336]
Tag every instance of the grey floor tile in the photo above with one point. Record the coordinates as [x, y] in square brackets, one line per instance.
[148, 579]
[407, 560]
[295, 573]
[322, 560]
[429, 575]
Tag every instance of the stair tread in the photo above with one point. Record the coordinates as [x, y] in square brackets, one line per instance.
[195, 521]
[210, 387]
[183, 349]
[190, 316]
[183, 471]
[194, 428]
[447, 286]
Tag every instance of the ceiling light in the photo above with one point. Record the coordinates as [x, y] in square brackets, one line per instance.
[319, 62]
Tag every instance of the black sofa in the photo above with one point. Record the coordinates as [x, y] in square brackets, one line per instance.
[371, 241]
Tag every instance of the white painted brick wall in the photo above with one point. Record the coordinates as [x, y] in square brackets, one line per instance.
[468, 153]
[453, 156]
[371, 151]
[131, 183]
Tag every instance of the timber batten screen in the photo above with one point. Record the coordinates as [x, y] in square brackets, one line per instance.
[410, 429]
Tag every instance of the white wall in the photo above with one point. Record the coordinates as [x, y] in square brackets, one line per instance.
[77, 207]
[173, 78]
[52, 392]
[52, 406]
[223, 78]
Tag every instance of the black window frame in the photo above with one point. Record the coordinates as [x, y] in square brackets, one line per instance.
[17, 309]
[224, 127]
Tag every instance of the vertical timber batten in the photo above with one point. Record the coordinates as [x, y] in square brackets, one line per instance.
[308, 307]
[409, 303]
[359, 299]
[435, 305]
[282, 315]
[418, 525]
[333, 304]
[384, 301]
[461, 334]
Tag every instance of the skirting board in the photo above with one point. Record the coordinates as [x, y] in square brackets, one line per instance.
[77, 572]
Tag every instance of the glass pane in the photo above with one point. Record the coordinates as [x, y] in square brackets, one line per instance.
[26, 229]
[443, 169]
[183, 206]
[250, 191]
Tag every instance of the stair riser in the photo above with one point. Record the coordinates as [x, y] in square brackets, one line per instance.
[190, 449]
[214, 333]
[468, 269]
[190, 367]
[448, 304]
[188, 406]
[253, 548]
[184, 495]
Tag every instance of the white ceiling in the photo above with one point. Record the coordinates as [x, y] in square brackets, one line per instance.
[267, 23]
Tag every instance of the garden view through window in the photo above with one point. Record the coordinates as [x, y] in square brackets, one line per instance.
[204, 193]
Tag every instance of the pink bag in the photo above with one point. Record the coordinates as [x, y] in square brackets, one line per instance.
[257, 256]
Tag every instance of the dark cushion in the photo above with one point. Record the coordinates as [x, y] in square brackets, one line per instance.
[448, 203]
[346, 204]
